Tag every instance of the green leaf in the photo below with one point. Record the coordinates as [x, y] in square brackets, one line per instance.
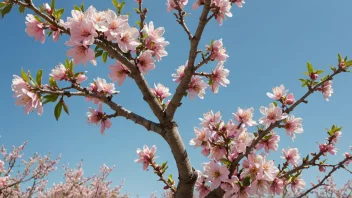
[246, 181]
[41, 8]
[6, 10]
[58, 13]
[52, 82]
[52, 5]
[39, 77]
[67, 64]
[310, 67]
[275, 104]
[96, 48]
[348, 63]
[64, 105]
[211, 43]
[50, 98]
[49, 33]
[38, 18]
[82, 6]
[24, 76]
[170, 177]
[2, 4]
[21, 9]
[77, 8]
[116, 4]
[137, 10]
[98, 53]
[339, 57]
[122, 4]
[319, 71]
[105, 57]
[163, 165]
[57, 111]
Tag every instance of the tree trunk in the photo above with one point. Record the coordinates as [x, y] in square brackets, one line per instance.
[187, 175]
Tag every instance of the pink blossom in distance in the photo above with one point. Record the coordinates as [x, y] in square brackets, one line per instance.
[239, 3]
[224, 7]
[324, 148]
[219, 77]
[327, 89]
[297, 184]
[200, 185]
[172, 5]
[277, 187]
[35, 28]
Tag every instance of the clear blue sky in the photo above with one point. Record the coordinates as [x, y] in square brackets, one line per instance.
[268, 42]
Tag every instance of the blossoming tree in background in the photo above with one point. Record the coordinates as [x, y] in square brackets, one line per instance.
[238, 150]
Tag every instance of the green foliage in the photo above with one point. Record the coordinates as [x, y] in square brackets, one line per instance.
[39, 77]
[6, 10]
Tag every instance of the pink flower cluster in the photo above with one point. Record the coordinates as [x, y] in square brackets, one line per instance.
[101, 87]
[154, 40]
[118, 72]
[26, 96]
[160, 92]
[171, 4]
[59, 73]
[280, 94]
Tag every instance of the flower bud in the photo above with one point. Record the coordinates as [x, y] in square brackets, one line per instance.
[321, 168]
[313, 76]
[342, 64]
[47, 8]
[290, 99]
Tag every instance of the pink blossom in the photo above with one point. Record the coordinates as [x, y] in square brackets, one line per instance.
[25, 97]
[205, 151]
[327, 148]
[146, 62]
[47, 8]
[202, 137]
[197, 4]
[200, 185]
[217, 153]
[348, 155]
[269, 142]
[277, 187]
[293, 125]
[2, 166]
[219, 77]
[253, 166]
[113, 24]
[180, 72]
[216, 174]
[271, 114]
[239, 3]
[98, 117]
[270, 171]
[84, 33]
[291, 155]
[80, 78]
[146, 156]
[242, 141]
[245, 116]
[230, 186]
[98, 18]
[3, 181]
[59, 72]
[154, 35]
[290, 99]
[197, 87]
[259, 187]
[35, 28]
[327, 89]
[223, 7]
[279, 92]
[56, 34]
[336, 136]
[127, 38]
[118, 72]
[217, 50]
[80, 53]
[104, 87]
[210, 120]
[297, 184]
[160, 91]
[172, 5]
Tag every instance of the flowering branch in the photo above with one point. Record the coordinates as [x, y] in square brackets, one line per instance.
[335, 168]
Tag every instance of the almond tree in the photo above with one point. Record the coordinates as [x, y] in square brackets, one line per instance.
[236, 167]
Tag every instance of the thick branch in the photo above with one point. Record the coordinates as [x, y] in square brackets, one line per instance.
[183, 86]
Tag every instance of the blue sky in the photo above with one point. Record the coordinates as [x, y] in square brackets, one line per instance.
[269, 43]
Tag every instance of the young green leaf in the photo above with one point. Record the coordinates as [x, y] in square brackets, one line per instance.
[21, 9]
[105, 57]
[339, 57]
[64, 105]
[39, 77]
[52, 5]
[310, 67]
[82, 7]
[24, 76]
[76, 8]
[57, 110]
[2, 4]
[50, 98]
[58, 13]
[6, 10]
